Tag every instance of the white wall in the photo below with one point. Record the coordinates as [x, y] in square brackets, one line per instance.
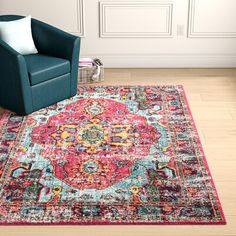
[134, 33]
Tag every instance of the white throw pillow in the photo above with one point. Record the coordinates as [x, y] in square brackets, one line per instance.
[18, 35]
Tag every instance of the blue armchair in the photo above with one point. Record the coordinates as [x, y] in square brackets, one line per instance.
[29, 83]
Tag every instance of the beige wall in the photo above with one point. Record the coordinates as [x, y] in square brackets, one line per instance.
[134, 33]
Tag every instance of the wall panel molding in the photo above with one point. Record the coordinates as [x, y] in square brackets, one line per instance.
[64, 14]
[127, 27]
[80, 18]
[192, 32]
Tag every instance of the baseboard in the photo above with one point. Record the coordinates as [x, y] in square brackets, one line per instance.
[166, 60]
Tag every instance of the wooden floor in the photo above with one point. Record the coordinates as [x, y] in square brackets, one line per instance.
[212, 98]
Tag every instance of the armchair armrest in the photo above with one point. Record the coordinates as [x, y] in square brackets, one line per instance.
[15, 90]
[8, 49]
[52, 41]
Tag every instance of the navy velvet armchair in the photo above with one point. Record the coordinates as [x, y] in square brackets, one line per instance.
[29, 83]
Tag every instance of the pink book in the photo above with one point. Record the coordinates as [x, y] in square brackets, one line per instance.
[85, 62]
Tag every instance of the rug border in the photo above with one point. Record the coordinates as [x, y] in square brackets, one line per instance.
[203, 155]
[97, 222]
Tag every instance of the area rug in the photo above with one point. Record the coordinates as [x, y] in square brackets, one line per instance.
[110, 155]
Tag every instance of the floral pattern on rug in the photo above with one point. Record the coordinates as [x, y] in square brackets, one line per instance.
[109, 155]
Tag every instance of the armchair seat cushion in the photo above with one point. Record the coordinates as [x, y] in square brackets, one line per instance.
[42, 68]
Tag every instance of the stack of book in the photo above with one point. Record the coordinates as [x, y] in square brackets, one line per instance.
[86, 62]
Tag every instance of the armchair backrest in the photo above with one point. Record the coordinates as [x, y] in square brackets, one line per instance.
[10, 17]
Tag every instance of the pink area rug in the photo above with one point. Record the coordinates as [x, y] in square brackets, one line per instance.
[110, 155]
